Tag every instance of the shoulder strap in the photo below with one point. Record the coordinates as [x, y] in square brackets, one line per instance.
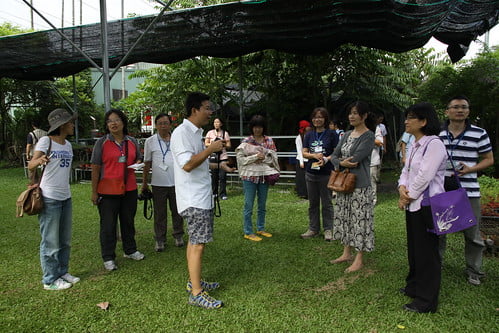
[126, 159]
[426, 193]
[33, 180]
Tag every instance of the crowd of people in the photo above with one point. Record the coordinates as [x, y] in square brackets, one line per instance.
[178, 165]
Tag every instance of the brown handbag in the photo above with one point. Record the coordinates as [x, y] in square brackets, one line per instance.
[30, 201]
[342, 181]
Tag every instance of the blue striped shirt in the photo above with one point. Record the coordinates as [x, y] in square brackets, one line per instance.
[466, 148]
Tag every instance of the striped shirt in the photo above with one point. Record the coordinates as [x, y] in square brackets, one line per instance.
[267, 143]
[466, 148]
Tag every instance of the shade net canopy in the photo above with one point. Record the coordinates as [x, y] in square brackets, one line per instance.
[234, 29]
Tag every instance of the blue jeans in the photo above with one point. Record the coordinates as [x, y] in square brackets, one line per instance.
[55, 228]
[250, 191]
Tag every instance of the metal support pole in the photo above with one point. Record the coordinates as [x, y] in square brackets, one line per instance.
[54, 88]
[139, 39]
[240, 61]
[63, 36]
[75, 108]
[105, 56]
[123, 68]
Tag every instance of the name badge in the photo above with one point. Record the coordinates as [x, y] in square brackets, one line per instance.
[317, 149]
[122, 159]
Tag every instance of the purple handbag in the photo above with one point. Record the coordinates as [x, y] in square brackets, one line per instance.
[450, 211]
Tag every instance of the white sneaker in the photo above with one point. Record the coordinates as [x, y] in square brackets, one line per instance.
[309, 234]
[110, 265]
[58, 284]
[135, 256]
[328, 235]
[70, 278]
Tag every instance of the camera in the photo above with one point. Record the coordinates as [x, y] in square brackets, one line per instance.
[145, 195]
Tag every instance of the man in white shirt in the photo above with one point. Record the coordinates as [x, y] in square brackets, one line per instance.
[158, 155]
[194, 192]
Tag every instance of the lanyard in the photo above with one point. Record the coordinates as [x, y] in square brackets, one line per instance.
[413, 152]
[452, 147]
[163, 151]
[319, 137]
[120, 146]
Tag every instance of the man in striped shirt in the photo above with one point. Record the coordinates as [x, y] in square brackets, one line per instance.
[470, 150]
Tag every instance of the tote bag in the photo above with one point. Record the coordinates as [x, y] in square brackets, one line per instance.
[451, 211]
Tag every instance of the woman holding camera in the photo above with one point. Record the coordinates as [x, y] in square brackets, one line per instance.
[256, 161]
[218, 175]
[114, 187]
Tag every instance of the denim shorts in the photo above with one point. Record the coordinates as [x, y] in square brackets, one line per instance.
[199, 225]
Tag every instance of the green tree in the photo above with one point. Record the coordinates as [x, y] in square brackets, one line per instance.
[478, 79]
[22, 102]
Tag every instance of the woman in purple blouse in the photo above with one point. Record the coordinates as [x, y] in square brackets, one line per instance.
[424, 168]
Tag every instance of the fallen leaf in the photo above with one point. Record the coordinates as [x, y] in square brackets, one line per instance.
[401, 327]
[103, 305]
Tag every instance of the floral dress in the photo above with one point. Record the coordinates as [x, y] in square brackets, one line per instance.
[353, 222]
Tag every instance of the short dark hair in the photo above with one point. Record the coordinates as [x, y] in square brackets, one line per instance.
[35, 123]
[363, 109]
[56, 132]
[120, 114]
[161, 115]
[425, 111]
[257, 121]
[323, 112]
[458, 97]
[194, 100]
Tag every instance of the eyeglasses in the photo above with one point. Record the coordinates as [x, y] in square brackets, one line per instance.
[116, 121]
[457, 107]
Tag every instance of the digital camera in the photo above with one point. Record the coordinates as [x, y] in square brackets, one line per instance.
[145, 195]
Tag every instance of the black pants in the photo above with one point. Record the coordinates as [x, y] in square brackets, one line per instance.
[110, 208]
[219, 178]
[423, 280]
[301, 185]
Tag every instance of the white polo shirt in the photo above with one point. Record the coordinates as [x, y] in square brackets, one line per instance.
[157, 151]
[192, 189]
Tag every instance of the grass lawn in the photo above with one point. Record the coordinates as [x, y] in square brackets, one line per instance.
[282, 284]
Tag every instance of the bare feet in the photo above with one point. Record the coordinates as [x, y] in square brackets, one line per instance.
[341, 259]
[354, 267]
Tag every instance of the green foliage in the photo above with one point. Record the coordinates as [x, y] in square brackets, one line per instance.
[288, 86]
[281, 284]
[478, 79]
[22, 102]
[489, 186]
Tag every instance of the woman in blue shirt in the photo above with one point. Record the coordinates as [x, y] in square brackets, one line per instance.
[318, 145]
